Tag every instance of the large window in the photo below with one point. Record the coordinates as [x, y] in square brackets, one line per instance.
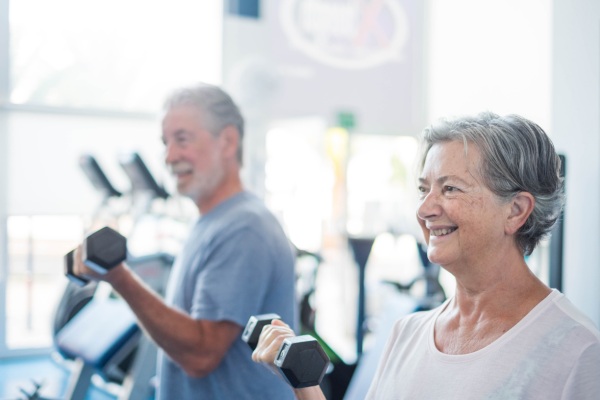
[81, 77]
[112, 54]
[35, 252]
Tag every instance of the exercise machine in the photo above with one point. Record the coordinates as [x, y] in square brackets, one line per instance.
[103, 338]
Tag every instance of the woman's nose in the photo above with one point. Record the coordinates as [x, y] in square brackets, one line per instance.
[429, 206]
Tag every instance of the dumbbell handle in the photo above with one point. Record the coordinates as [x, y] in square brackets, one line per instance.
[102, 250]
[254, 328]
[69, 263]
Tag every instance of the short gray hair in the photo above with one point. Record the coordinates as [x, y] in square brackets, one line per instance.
[217, 107]
[516, 156]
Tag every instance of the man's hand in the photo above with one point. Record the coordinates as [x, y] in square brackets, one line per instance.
[80, 269]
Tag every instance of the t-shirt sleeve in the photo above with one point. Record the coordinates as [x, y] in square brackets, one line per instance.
[584, 380]
[235, 278]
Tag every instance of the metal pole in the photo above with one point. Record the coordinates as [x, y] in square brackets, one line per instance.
[555, 274]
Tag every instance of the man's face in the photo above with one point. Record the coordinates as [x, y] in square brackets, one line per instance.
[192, 153]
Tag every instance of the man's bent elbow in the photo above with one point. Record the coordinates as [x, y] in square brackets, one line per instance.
[200, 367]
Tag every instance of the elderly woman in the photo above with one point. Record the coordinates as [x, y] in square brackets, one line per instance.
[489, 191]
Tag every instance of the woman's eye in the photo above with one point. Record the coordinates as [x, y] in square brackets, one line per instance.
[450, 189]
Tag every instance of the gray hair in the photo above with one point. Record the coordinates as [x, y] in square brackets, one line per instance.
[516, 156]
[217, 107]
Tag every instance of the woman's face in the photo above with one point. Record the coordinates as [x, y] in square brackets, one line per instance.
[461, 219]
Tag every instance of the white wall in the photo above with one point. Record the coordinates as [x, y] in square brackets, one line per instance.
[490, 55]
[576, 131]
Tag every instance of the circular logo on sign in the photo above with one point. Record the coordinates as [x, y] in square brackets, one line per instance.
[349, 34]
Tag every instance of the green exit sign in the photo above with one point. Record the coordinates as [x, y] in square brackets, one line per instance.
[346, 120]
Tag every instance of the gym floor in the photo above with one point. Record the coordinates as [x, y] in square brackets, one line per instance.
[19, 376]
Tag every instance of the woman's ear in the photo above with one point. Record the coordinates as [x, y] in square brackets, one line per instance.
[521, 207]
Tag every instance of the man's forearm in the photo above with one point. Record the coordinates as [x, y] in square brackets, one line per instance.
[175, 332]
[197, 346]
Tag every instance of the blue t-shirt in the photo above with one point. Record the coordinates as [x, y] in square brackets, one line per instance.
[236, 263]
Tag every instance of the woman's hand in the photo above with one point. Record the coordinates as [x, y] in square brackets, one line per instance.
[267, 350]
[270, 341]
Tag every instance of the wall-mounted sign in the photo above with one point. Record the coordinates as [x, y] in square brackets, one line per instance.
[353, 34]
[307, 58]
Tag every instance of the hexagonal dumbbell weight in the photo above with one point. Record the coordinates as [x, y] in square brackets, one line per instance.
[301, 359]
[102, 250]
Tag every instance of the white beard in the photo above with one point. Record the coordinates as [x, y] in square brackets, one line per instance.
[202, 184]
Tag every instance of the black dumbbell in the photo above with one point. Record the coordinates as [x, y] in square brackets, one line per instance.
[102, 250]
[254, 328]
[301, 359]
